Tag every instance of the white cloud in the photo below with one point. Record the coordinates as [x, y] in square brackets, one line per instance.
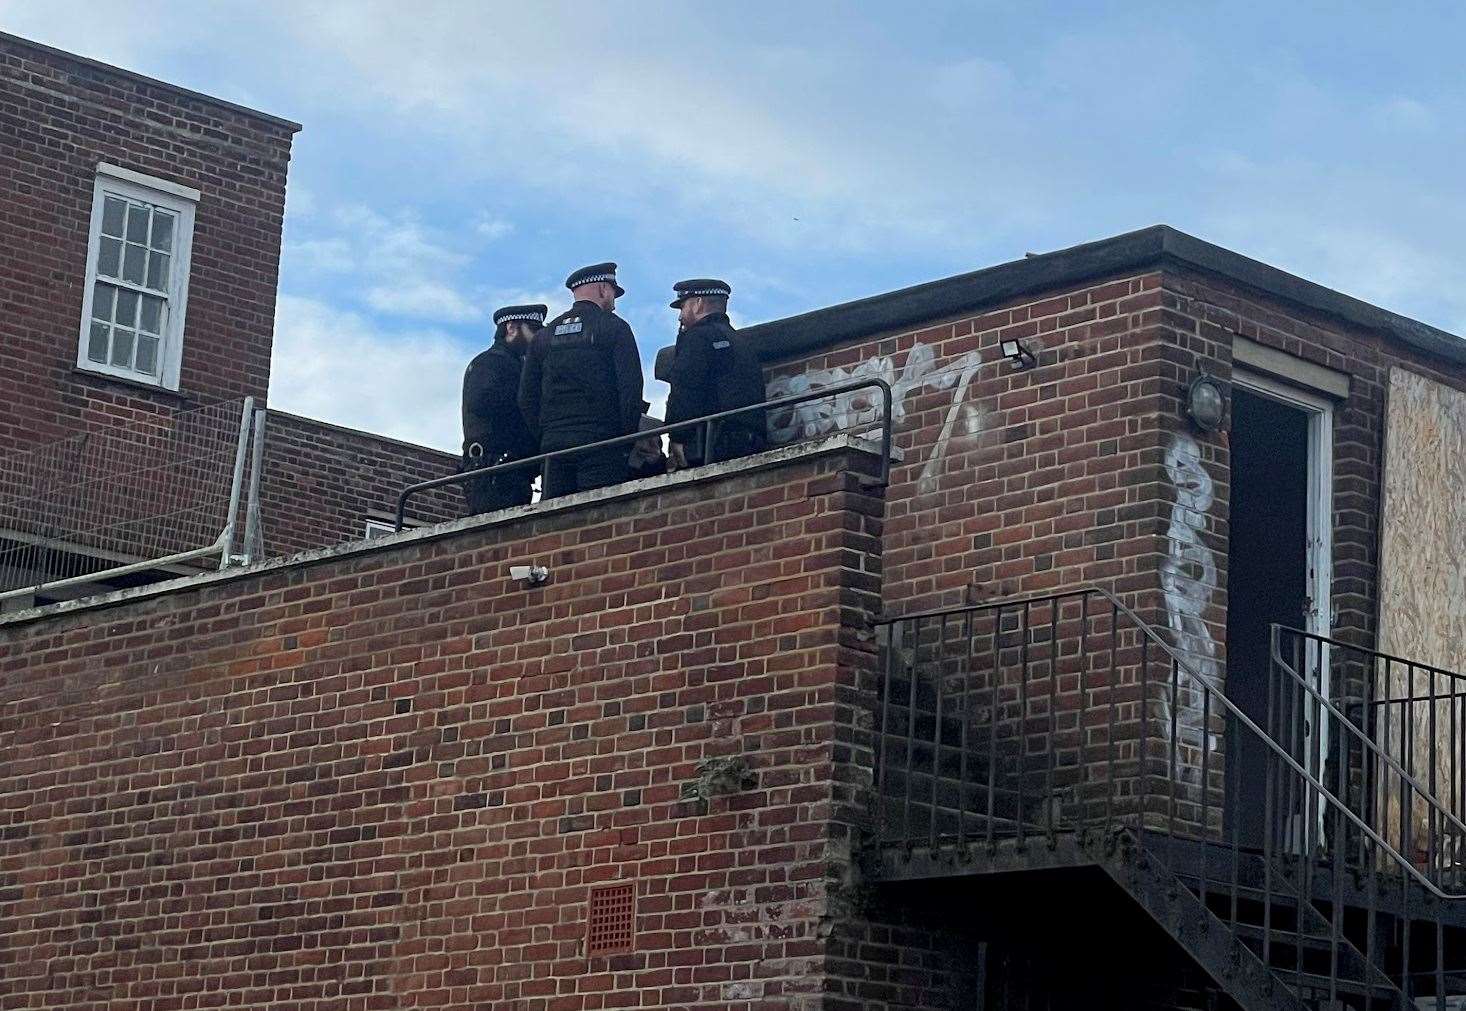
[335, 365]
[395, 245]
[1405, 114]
[329, 256]
[300, 200]
[493, 228]
[402, 267]
[421, 299]
[824, 138]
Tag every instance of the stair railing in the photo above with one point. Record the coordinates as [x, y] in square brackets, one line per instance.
[1403, 768]
[1021, 719]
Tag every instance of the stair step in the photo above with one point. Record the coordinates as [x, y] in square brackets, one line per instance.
[1283, 937]
[1348, 962]
[1319, 984]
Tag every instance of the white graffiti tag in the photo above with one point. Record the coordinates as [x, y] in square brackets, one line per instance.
[1189, 579]
[862, 408]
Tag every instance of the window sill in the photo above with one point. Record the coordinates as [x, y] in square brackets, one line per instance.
[131, 384]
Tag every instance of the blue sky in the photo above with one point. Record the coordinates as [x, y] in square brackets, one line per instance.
[457, 156]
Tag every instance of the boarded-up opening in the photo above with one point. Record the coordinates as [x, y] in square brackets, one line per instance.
[1422, 604]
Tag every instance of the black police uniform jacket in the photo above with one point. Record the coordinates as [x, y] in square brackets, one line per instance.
[491, 415]
[582, 379]
[714, 370]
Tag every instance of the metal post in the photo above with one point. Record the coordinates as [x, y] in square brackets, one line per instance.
[240, 448]
[254, 546]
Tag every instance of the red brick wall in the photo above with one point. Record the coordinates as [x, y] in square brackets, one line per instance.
[1058, 476]
[59, 117]
[1019, 481]
[320, 482]
[389, 778]
[1202, 316]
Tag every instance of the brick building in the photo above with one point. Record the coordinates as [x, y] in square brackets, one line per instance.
[1093, 702]
[143, 224]
[776, 734]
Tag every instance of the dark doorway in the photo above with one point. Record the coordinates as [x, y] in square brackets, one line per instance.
[1267, 575]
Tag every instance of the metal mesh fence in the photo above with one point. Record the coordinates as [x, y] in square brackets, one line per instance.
[154, 490]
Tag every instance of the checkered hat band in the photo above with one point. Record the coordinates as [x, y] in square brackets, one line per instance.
[519, 315]
[594, 278]
[706, 291]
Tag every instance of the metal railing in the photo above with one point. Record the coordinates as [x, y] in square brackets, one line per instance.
[122, 503]
[706, 423]
[1014, 722]
[1401, 766]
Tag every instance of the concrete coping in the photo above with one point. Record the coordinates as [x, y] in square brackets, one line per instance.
[865, 443]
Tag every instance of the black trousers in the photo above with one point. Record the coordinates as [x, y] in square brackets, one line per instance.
[499, 491]
[584, 471]
[729, 443]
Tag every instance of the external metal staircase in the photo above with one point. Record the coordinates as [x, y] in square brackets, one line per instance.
[1059, 733]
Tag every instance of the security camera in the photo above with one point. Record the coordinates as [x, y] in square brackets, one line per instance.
[534, 575]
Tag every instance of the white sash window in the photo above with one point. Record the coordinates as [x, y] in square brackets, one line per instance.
[137, 277]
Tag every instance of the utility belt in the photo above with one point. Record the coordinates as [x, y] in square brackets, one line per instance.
[477, 457]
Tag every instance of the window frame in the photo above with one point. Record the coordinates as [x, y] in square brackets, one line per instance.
[181, 201]
[376, 528]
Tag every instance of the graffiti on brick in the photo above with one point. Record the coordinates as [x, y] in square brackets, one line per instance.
[861, 409]
[1189, 582]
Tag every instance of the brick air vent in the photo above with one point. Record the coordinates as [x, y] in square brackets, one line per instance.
[612, 923]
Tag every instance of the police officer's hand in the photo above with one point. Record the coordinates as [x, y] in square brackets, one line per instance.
[676, 458]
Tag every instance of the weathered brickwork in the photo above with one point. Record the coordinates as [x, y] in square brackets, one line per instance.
[59, 117]
[1058, 476]
[1036, 479]
[1203, 315]
[389, 778]
[320, 483]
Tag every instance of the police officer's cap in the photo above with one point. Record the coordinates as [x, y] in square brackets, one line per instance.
[698, 286]
[595, 272]
[521, 313]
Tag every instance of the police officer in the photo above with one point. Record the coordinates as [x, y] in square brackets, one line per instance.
[582, 384]
[713, 370]
[494, 431]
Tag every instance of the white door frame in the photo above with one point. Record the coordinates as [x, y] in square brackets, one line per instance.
[1319, 411]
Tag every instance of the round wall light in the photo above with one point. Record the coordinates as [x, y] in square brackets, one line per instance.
[1206, 403]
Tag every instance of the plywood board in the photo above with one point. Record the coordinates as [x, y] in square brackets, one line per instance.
[1422, 586]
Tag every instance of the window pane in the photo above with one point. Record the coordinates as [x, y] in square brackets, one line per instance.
[133, 262]
[108, 264]
[102, 300]
[162, 230]
[137, 223]
[147, 354]
[113, 211]
[97, 343]
[122, 348]
[158, 271]
[152, 315]
[126, 307]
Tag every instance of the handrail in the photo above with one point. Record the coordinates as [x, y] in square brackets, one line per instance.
[706, 421]
[1376, 654]
[220, 545]
[1363, 738]
[1225, 704]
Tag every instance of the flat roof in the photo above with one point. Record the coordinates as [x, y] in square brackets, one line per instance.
[359, 433]
[131, 75]
[1156, 246]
